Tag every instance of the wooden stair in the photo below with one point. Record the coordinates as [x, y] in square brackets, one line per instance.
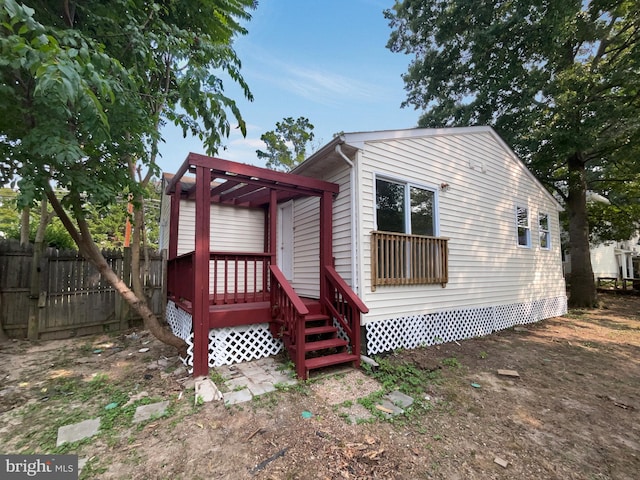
[322, 346]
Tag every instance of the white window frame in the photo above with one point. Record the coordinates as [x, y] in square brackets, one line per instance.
[407, 201]
[527, 227]
[546, 232]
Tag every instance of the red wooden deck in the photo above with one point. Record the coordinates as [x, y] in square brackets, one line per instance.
[248, 288]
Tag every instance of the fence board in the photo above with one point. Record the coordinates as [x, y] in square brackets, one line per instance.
[73, 299]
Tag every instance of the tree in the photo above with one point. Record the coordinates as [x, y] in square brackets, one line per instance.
[86, 88]
[287, 144]
[557, 80]
[107, 225]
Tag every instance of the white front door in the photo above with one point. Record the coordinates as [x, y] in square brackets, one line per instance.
[285, 239]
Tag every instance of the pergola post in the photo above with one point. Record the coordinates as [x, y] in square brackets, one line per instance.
[273, 225]
[326, 238]
[201, 273]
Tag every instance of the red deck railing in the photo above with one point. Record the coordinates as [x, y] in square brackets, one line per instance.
[233, 277]
[180, 277]
[342, 303]
[239, 277]
[290, 311]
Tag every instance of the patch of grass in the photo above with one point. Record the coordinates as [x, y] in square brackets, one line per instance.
[452, 362]
[483, 355]
[300, 386]
[69, 400]
[370, 401]
[403, 376]
[266, 400]
[92, 469]
[575, 314]
[219, 381]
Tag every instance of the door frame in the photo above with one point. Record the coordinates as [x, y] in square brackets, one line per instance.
[285, 243]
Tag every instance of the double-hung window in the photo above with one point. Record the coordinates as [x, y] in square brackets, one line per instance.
[405, 249]
[524, 230]
[404, 208]
[544, 231]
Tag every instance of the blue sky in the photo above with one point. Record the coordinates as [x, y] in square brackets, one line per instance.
[324, 60]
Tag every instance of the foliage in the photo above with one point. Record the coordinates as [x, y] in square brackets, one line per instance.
[557, 80]
[85, 89]
[287, 144]
[111, 73]
[107, 224]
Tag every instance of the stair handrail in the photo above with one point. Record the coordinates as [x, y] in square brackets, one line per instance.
[286, 304]
[281, 280]
[338, 305]
[346, 291]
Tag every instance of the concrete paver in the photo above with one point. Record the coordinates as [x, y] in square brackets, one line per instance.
[146, 412]
[239, 396]
[249, 379]
[78, 431]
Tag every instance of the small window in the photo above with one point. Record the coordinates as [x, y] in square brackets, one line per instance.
[543, 229]
[524, 231]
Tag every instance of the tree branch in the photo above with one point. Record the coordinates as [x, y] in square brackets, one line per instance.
[62, 215]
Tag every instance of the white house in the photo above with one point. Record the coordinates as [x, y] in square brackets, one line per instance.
[461, 184]
[442, 234]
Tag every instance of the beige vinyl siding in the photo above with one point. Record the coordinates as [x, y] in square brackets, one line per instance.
[232, 230]
[476, 213]
[342, 241]
[306, 278]
[306, 247]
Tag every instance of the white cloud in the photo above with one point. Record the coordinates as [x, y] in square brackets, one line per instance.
[314, 83]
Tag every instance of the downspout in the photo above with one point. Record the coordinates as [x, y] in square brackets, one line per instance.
[354, 222]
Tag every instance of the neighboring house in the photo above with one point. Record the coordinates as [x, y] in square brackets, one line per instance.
[611, 260]
[617, 259]
[418, 236]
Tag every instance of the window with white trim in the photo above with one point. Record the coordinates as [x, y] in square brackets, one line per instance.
[404, 208]
[523, 228]
[544, 231]
[405, 250]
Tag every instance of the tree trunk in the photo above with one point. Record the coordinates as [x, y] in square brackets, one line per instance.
[151, 322]
[90, 251]
[582, 292]
[24, 226]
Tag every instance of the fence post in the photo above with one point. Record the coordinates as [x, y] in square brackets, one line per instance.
[163, 283]
[34, 293]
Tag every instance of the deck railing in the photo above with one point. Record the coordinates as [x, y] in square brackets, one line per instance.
[288, 312]
[180, 280]
[233, 277]
[239, 277]
[401, 259]
[342, 304]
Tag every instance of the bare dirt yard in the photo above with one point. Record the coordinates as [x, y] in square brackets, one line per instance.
[572, 413]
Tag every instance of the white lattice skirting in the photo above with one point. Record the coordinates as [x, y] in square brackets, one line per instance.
[227, 345]
[440, 327]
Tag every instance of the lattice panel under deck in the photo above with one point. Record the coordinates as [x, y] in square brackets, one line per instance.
[181, 326]
[179, 321]
[240, 344]
[428, 329]
[341, 333]
[226, 345]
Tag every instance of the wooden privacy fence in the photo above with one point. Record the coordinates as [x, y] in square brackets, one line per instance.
[65, 296]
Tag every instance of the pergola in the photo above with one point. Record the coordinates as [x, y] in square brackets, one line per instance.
[240, 185]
